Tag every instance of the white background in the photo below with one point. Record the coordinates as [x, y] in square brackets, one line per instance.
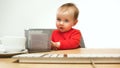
[98, 20]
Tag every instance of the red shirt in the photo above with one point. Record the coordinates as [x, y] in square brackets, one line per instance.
[68, 40]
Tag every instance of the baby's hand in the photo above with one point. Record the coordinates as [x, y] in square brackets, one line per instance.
[55, 44]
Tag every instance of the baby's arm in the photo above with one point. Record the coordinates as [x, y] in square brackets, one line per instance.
[72, 42]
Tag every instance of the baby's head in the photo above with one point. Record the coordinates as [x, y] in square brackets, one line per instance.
[67, 17]
[69, 9]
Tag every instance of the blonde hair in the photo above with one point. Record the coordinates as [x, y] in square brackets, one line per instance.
[70, 9]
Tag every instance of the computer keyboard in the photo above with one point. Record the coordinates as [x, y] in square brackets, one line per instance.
[67, 58]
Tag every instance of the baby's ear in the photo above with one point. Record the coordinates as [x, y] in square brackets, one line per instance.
[75, 22]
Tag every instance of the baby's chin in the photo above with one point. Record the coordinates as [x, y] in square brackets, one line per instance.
[62, 30]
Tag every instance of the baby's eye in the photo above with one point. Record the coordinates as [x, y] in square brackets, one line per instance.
[58, 19]
[66, 20]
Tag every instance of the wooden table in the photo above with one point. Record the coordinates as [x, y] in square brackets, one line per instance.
[10, 62]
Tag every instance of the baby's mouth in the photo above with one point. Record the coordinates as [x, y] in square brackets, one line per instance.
[61, 28]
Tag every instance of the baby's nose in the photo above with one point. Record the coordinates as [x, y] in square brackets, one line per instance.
[61, 23]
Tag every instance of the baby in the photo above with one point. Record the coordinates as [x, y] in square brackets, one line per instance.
[65, 36]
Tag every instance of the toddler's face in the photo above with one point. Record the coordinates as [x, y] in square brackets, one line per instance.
[64, 22]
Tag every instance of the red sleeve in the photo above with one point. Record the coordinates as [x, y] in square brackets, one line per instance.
[52, 35]
[73, 42]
